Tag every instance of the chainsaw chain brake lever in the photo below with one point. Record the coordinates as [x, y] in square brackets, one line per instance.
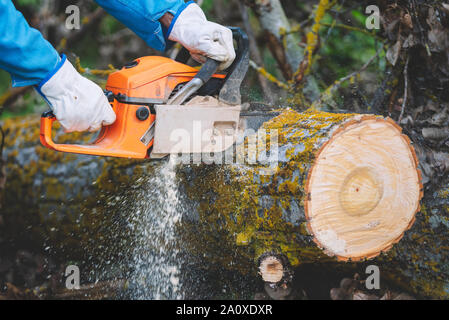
[204, 74]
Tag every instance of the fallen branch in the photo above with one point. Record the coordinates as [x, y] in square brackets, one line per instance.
[95, 291]
[269, 76]
[312, 42]
[352, 28]
[95, 72]
[404, 100]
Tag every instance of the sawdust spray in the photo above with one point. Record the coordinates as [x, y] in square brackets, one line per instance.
[155, 255]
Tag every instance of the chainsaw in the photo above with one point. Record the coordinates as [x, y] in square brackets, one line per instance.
[162, 103]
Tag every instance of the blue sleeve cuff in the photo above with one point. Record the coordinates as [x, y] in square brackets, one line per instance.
[167, 31]
[52, 73]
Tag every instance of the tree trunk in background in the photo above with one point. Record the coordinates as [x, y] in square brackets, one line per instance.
[273, 20]
[284, 48]
[78, 205]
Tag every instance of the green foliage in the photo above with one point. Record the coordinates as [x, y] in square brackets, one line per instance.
[207, 6]
[359, 17]
[110, 25]
[31, 3]
[345, 51]
[5, 81]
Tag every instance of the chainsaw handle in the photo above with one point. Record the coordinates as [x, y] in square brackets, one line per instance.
[47, 120]
[208, 69]
[112, 141]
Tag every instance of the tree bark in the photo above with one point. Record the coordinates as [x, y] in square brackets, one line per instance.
[233, 214]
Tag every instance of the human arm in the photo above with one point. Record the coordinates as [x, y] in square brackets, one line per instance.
[160, 22]
[78, 103]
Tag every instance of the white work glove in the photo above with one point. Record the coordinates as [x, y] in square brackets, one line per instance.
[78, 103]
[203, 38]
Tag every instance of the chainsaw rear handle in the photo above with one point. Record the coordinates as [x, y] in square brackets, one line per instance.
[47, 120]
[110, 142]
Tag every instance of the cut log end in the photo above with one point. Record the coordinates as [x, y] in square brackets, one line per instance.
[271, 269]
[363, 189]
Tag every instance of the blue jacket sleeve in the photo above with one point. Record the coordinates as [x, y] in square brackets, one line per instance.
[24, 52]
[142, 17]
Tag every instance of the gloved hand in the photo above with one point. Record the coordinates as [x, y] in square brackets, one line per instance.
[78, 103]
[203, 38]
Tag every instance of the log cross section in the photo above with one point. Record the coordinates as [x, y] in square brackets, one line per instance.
[363, 189]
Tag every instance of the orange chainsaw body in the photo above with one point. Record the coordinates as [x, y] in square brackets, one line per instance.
[140, 85]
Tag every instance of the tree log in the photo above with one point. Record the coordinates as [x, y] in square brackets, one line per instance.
[79, 205]
[275, 269]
